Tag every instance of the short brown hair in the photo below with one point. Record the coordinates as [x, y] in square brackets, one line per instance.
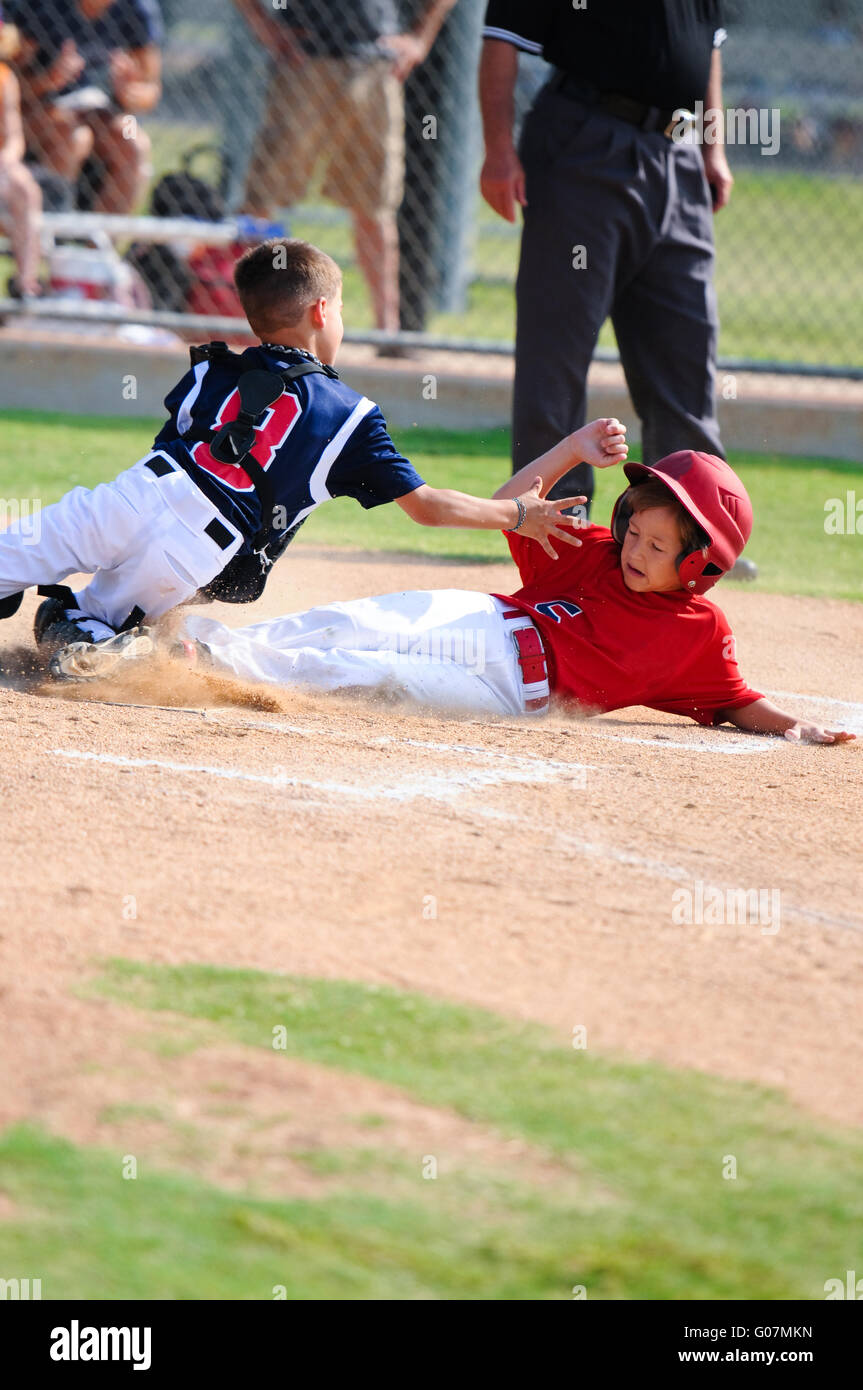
[280, 279]
[653, 493]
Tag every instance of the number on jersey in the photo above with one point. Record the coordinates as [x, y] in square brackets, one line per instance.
[558, 609]
[270, 435]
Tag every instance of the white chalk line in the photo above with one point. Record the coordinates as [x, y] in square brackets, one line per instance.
[516, 760]
[440, 786]
[852, 721]
[726, 744]
[676, 873]
[729, 744]
[816, 699]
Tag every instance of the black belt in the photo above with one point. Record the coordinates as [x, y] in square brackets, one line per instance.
[637, 113]
[215, 529]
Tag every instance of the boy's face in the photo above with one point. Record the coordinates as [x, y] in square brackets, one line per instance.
[330, 336]
[650, 549]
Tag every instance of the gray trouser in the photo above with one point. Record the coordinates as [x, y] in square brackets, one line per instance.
[618, 222]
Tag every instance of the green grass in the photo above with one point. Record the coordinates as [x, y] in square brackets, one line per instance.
[636, 1207]
[788, 271]
[47, 454]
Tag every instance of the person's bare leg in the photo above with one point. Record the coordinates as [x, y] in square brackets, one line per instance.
[377, 241]
[124, 149]
[58, 140]
[23, 198]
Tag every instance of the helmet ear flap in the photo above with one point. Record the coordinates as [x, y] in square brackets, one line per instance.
[621, 517]
[693, 568]
[697, 556]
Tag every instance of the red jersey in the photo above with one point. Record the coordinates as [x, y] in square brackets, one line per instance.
[608, 647]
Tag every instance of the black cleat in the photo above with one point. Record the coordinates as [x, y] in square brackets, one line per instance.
[54, 628]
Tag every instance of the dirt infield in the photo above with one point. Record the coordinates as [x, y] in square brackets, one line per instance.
[527, 867]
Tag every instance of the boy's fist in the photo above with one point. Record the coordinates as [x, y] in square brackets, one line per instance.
[601, 443]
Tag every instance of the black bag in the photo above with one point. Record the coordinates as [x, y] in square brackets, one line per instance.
[182, 194]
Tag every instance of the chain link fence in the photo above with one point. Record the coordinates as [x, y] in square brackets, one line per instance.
[290, 112]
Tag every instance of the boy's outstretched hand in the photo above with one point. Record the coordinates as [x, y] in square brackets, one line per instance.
[601, 443]
[813, 733]
[543, 521]
[763, 717]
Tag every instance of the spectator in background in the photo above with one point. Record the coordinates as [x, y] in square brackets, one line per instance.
[336, 99]
[86, 66]
[20, 196]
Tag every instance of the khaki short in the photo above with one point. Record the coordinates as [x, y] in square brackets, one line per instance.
[344, 114]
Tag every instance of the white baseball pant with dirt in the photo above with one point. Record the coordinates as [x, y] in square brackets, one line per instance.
[142, 537]
[450, 649]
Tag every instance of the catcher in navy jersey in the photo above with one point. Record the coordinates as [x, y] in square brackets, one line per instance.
[253, 444]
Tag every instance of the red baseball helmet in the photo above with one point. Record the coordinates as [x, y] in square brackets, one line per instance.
[713, 495]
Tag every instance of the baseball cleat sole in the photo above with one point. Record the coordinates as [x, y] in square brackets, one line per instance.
[90, 661]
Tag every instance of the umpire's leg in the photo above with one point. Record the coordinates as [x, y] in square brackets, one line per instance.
[573, 223]
[665, 316]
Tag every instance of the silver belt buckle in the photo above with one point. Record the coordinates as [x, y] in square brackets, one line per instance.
[681, 124]
[527, 626]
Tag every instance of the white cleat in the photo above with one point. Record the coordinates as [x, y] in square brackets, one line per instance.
[90, 661]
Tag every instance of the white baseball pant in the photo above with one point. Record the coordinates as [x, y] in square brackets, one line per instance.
[450, 649]
[140, 536]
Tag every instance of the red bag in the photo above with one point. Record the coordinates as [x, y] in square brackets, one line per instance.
[211, 269]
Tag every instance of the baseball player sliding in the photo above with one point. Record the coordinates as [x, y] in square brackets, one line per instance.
[253, 444]
[620, 618]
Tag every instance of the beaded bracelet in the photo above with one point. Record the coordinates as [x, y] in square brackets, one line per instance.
[522, 513]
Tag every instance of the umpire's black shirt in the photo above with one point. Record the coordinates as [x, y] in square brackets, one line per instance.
[655, 51]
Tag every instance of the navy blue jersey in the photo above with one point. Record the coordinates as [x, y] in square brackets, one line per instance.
[318, 440]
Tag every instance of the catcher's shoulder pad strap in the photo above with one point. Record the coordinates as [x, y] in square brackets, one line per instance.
[258, 390]
[212, 352]
[289, 374]
[233, 442]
